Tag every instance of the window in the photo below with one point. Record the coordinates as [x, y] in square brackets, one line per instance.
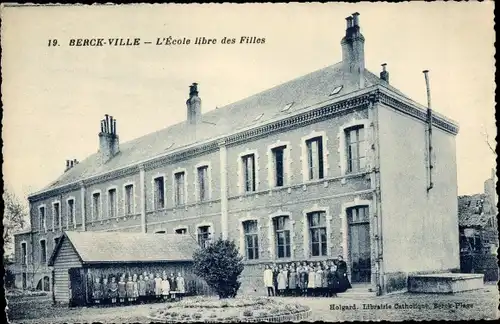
[24, 253]
[203, 235]
[25, 281]
[181, 231]
[129, 199]
[287, 106]
[251, 239]
[96, 205]
[282, 236]
[43, 251]
[317, 233]
[355, 144]
[179, 188]
[336, 90]
[57, 214]
[315, 158]
[279, 165]
[159, 193]
[249, 172]
[160, 232]
[71, 211]
[43, 220]
[203, 183]
[112, 203]
[358, 214]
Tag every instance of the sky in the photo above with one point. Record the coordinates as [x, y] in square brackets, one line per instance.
[55, 96]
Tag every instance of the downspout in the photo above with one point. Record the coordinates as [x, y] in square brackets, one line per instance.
[223, 190]
[375, 182]
[429, 130]
[142, 200]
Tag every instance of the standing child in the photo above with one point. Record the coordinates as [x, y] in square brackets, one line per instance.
[158, 284]
[303, 276]
[165, 288]
[113, 290]
[173, 285]
[292, 283]
[275, 278]
[129, 287]
[282, 282]
[268, 280]
[105, 291]
[311, 281]
[319, 281]
[142, 288]
[122, 291]
[97, 290]
[181, 286]
[135, 288]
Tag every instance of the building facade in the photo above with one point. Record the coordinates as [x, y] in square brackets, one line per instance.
[336, 162]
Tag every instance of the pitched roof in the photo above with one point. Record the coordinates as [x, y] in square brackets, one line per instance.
[105, 247]
[303, 92]
[470, 211]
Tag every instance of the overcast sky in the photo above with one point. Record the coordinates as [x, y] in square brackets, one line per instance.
[54, 97]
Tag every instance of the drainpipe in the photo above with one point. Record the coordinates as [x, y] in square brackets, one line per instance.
[223, 190]
[142, 174]
[377, 200]
[82, 198]
[429, 129]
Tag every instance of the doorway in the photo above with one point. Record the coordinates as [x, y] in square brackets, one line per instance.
[77, 284]
[359, 244]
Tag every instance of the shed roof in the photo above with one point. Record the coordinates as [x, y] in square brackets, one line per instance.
[108, 247]
[303, 92]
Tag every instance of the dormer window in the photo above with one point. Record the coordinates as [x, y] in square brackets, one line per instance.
[287, 107]
[336, 90]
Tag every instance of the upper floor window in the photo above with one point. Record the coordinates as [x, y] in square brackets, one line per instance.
[249, 172]
[43, 220]
[24, 253]
[315, 158]
[317, 233]
[159, 193]
[358, 214]
[112, 203]
[129, 199]
[179, 188]
[282, 236]
[71, 211]
[96, 205]
[250, 230]
[204, 235]
[279, 165]
[355, 144]
[43, 251]
[203, 183]
[181, 231]
[57, 214]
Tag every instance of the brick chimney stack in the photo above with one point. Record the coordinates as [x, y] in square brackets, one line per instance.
[193, 105]
[108, 139]
[384, 75]
[70, 164]
[353, 49]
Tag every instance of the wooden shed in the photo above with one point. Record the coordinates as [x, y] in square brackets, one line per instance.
[81, 256]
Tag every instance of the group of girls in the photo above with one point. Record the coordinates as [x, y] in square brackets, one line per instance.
[320, 279]
[131, 288]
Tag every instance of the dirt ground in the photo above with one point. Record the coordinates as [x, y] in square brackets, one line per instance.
[479, 304]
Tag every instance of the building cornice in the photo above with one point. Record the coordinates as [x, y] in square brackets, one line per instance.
[315, 113]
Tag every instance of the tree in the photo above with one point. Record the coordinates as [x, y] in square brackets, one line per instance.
[14, 217]
[220, 265]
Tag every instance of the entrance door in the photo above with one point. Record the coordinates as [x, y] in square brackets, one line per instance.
[77, 285]
[359, 244]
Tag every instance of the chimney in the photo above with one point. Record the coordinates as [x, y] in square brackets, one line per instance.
[193, 105]
[353, 50]
[384, 75]
[108, 139]
[70, 164]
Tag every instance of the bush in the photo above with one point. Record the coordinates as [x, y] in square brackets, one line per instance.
[220, 265]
